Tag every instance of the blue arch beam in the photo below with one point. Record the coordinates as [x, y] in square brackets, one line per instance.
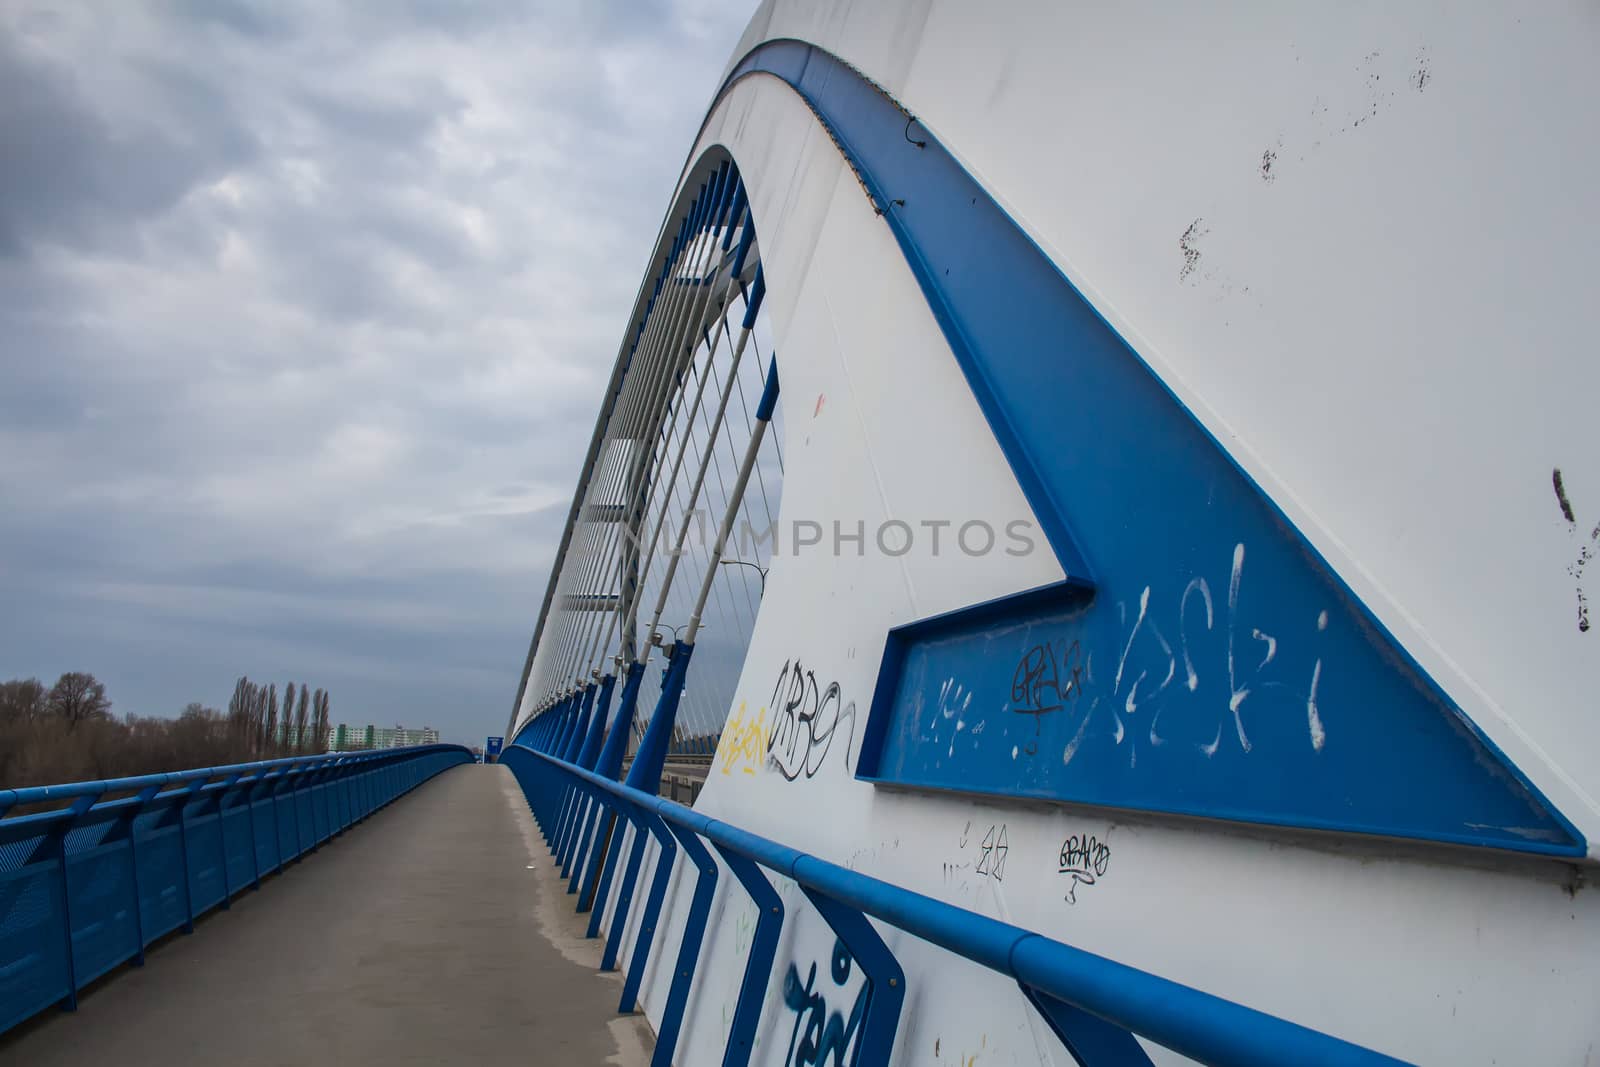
[1202, 657]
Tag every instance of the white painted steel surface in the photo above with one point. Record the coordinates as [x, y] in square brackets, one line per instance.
[1358, 242]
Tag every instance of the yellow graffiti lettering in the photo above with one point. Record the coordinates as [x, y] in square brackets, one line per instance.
[744, 742]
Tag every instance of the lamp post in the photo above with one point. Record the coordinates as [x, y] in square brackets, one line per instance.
[753, 566]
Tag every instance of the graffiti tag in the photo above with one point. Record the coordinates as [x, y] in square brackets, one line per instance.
[806, 719]
[744, 742]
[819, 1033]
[1085, 860]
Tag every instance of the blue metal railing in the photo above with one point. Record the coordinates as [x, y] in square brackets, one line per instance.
[1093, 1004]
[87, 886]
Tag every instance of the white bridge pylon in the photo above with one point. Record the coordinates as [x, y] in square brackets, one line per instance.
[1171, 536]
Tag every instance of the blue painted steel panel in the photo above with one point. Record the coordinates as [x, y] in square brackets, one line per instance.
[162, 906]
[33, 967]
[238, 848]
[204, 843]
[1221, 668]
[105, 930]
[264, 809]
[85, 888]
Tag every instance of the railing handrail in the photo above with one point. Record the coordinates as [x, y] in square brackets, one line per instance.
[1186, 1020]
[35, 794]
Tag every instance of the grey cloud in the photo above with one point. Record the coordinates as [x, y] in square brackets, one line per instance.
[68, 173]
[305, 313]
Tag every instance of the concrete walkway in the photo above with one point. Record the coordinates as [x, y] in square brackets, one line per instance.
[419, 937]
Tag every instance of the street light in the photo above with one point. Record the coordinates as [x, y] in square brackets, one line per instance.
[753, 566]
[655, 638]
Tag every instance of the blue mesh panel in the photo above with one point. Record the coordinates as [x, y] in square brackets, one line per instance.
[266, 835]
[319, 821]
[238, 847]
[302, 800]
[161, 878]
[104, 929]
[114, 875]
[327, 803]
[33, 963]
[206, 888]
[288, 828]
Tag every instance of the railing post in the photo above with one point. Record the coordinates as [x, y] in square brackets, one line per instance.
[76, 811]
[182, 804]
[587, 755]
[694, 929]
[145, 795]
[884, 975]
[250, 814]
[763, 947]
[666, 858]
[228, 784]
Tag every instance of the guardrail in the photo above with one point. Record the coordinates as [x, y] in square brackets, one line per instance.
[86, 887]
[1093, 1005]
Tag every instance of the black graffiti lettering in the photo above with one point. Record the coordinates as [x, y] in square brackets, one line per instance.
[1035, 685]
[806, 719]
[1085, 859]
[1586, 550]
[1038, 687]
[992, 857]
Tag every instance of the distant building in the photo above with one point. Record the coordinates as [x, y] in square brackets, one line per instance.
[349, 738]
[289, 735]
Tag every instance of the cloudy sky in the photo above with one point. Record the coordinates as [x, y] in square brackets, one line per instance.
[305, 312]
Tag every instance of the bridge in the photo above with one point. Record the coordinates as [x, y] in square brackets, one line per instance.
[1061, 574]
[400, 926]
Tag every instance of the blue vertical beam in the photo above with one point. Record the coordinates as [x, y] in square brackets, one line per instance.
[665, 858]
[645, 774]
[882, 970]
[570, 755]
[746, 239]
[229, 783]
[630, 878]
[143, 798]
[587, 755]
[580, 731]
[735, 215]
[694, 929]
[597, 726]
[586, 759]
[730, 193]
[1092, 1041]
[564, 729]
[609, 765]
[602, 864]
[182, 806]
[763, 948]
[79, 808]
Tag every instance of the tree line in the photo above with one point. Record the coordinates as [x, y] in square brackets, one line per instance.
[67, 733]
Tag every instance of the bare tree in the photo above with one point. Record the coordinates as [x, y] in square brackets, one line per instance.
[77, 698]
[22, 700]
[269, 715]
[66, 733]
[300, 725]
[281, 737]
[320, 732]
[269, 729]
[239, 709]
